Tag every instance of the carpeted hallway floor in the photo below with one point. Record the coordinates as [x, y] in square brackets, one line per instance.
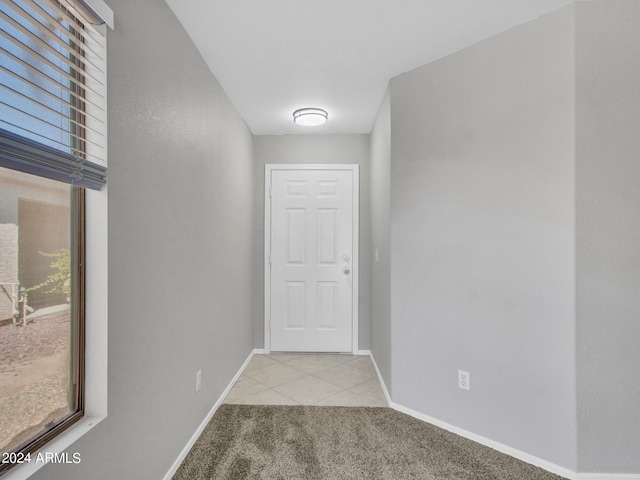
[338, 443]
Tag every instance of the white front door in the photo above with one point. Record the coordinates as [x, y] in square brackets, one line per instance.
[311, 239]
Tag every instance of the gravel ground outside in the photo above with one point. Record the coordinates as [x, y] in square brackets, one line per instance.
[34, 377]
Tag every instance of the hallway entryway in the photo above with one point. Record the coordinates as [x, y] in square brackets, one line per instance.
[311, 258]
[308, 379]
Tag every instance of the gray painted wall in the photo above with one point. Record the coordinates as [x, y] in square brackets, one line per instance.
[481, 250]
[180, 209]
[482, 238]
[608, 235]
[380, 240]
[319, 149]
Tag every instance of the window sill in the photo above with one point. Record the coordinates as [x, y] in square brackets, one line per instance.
[57, 446]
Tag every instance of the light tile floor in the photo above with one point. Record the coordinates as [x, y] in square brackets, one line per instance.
[308, 379]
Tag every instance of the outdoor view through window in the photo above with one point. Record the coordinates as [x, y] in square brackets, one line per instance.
[37, 374]
[52, 130]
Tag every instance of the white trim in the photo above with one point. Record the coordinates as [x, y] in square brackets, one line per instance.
[356, 242]
[525, 457]
[608, 476]
[381, 380]
[174, 467]
[520, 455]
[356, 255]
[266, 319]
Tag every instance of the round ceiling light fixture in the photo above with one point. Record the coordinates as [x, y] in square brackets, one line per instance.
[310, 117]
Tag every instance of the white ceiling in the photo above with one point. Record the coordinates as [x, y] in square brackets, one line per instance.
[275, 56]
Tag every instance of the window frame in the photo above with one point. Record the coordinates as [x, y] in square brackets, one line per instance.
[95, 339]
[93, 275]
[77, 321]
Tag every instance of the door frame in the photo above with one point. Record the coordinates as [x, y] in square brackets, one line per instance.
[355, 169]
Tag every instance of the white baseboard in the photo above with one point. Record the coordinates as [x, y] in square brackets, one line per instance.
[381, 380]
[207, 419]
[608, 476]
[520, 455]
[525, 457]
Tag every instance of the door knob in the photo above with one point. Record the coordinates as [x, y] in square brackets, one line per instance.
[346, 271]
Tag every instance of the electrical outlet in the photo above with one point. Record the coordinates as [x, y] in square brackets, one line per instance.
[464, 380]
[198, 380]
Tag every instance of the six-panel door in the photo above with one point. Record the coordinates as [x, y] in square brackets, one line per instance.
[311, 260]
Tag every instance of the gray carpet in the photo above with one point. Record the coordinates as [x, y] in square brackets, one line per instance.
[337, 443]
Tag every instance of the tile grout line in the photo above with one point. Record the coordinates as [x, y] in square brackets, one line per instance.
[313, 376]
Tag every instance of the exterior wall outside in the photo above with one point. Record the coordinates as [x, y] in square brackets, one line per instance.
[8, 267]
[608, 235]
[312, 149]
[28, 227]
[380, 240]
[482, 238]
[180, 212]
[43, 228]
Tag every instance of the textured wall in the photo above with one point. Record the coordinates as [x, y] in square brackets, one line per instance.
[380, 240]
[319, 149]
[482, 238]
[608, 235]
[180, 210]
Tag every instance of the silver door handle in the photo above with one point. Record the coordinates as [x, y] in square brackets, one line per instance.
[346, 271]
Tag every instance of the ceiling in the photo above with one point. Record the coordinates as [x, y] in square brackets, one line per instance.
[275, 56]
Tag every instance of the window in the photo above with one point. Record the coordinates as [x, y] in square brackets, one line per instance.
[52, 148]
[41, 361]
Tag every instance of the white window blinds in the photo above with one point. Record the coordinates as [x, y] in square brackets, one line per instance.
[53, 91]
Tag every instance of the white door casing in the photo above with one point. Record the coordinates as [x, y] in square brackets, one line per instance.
[311, 258]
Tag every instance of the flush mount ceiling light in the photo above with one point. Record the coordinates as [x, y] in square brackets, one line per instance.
[310, 117]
